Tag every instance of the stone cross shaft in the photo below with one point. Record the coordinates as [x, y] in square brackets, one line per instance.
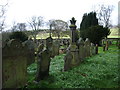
[73, 29]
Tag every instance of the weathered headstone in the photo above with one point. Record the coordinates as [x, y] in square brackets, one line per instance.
[31, 51]
[87, 47]
[43, 66]
[103, 41]
[106, 48]
[40, 48]
[14, 65]
[55, 48]
[75, 60]
[92, 49]
[103, 47]
[96, 49]
[67, 61]
[81, 49]
[44, 61]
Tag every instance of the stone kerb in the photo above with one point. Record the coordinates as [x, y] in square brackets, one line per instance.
[14, 64]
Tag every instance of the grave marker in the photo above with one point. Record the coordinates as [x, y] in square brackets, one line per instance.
[14, 64]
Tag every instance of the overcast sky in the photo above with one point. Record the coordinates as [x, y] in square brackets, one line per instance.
[21, 10]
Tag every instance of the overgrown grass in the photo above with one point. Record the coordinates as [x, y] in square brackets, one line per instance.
[99, 71]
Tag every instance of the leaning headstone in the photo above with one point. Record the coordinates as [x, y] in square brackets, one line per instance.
[14, 64]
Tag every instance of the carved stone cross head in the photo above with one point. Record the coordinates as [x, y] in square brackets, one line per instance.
[73, 21]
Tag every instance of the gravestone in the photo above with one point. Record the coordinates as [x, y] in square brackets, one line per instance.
[14, 64]
[40, 48]
[87, 47]
[96, 49]
[67, 61]
[44, 61]
[103, 41]
[91, 49]
[104, 44]
[31, 51]
[73, 58]
[74, 51]
[103, 47]
[81, 49]
[55, 48]
[43, 66]
[106, 47]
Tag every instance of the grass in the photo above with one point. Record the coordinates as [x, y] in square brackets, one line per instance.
[99, 71]
[114, 33]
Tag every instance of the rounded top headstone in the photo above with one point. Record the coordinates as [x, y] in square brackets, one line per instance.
[87, 41]
[14, 43]
[80, 41]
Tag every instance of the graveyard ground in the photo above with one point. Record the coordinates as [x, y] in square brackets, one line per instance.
[99, 71]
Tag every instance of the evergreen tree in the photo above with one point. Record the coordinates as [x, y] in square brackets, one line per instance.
[89, 28]
[88, 20]
[96, 33]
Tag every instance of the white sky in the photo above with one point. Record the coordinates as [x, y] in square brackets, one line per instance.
[21, 10]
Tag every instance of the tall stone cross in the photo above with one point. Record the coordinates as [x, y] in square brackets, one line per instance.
[73, 29]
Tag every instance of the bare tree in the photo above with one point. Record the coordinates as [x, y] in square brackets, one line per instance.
[104, 14]
[2, 16]
[14, 26]
[21, 26]
[58, 26]
[18, 27]
[35, 24]
[50, 24]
